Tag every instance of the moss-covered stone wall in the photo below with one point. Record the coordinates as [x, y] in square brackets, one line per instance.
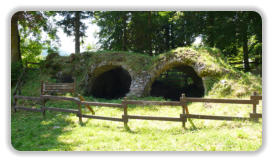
[144, 69]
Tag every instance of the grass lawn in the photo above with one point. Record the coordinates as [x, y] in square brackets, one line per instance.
[62, 131]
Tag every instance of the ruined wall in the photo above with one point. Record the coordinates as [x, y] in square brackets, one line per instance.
[143, 76]
[143, 69]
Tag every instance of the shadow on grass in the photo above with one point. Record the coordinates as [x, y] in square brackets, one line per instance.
[31, 132]
[127, 129]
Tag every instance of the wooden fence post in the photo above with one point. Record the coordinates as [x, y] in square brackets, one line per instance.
[74, 86]
[42, 87]
[254, 110]
[183, 103]
[43, 105]
[254, 105]
[14, 103]
[80, 112]
[125, 117]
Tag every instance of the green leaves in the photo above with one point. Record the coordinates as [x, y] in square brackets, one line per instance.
[36, 34]
[31, 50]
[232, 31]
[150, 32]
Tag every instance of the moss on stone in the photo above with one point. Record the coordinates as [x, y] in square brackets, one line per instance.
[219, 78]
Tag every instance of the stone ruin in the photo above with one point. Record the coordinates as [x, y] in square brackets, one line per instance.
[117, 74]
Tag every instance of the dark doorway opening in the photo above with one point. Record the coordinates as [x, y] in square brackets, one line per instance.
[172, 83]
[112, 84]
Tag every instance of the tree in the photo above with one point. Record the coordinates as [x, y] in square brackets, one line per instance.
[230, 31]
[29, 25]
[73, 26]
[150, 32]
[114, 29]
[141, 32]
[15, 39]
[249, 24]
[238, 34]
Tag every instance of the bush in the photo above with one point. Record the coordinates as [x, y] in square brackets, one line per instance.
[16, 69]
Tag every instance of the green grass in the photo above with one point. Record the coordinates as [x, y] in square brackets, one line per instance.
[62, 131]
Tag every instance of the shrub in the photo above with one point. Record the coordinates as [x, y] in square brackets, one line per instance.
[16, 69]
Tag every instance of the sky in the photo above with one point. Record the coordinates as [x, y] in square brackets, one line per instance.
[67, 43]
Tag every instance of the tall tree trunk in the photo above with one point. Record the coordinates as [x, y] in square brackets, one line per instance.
[77, 32]
[15, 40]
[172, 36]
[149, 33]
[211, 31]
[245, 49]
[167, 37]
[124, 43]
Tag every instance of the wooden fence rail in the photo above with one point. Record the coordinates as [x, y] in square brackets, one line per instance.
[254, 100]
[15, 99]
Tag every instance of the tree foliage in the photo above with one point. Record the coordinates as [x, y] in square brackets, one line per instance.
[234, 32]
[237, 33]
[33, 33]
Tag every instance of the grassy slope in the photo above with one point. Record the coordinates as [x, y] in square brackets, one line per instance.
[61, 131]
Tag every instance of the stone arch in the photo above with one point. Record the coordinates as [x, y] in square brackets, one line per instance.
[109, 80]
[193, 68]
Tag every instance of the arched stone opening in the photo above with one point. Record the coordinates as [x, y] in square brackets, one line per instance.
[171, 83]
[111, 84]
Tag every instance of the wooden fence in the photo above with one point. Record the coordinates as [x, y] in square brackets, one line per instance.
[254, 101]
